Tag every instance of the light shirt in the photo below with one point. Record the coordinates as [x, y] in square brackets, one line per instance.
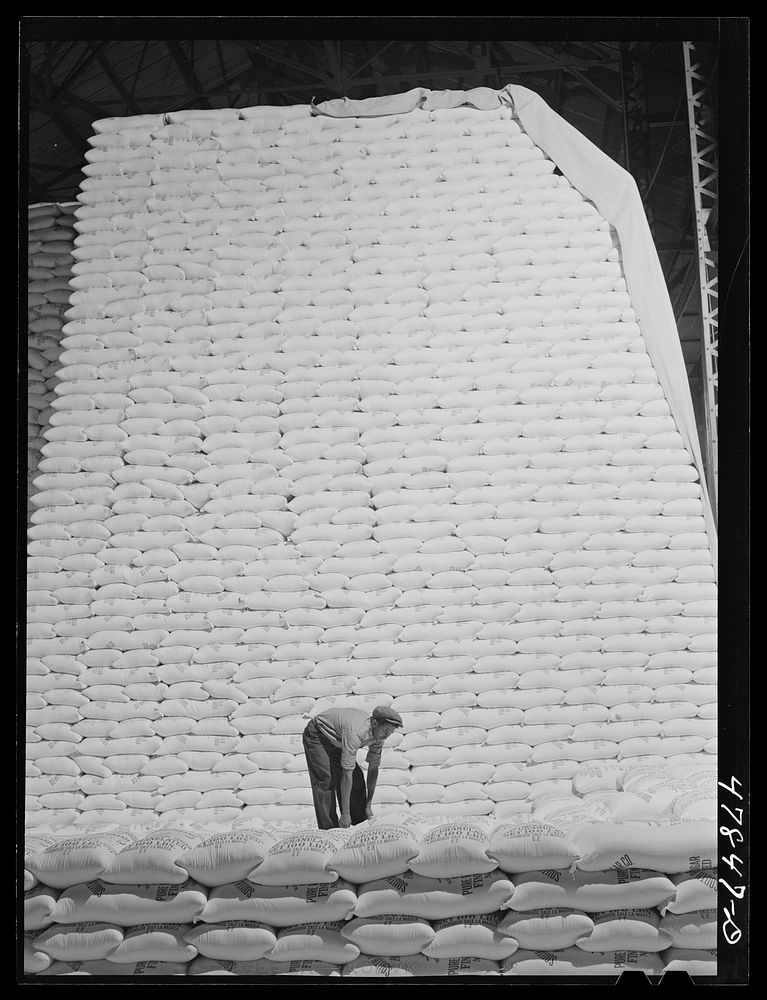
[349, 729]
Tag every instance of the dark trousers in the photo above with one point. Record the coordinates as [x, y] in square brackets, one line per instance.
[323, 762]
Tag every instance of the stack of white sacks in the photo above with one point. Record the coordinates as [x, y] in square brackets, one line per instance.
[358, 411]
[568, 889]
[353, 411]
[51, 234]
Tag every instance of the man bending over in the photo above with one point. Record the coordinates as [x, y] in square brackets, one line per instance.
[331, 741]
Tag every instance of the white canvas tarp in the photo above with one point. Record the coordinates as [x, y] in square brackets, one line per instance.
[614, 193]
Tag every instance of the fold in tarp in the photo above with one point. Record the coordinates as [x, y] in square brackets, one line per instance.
[616, 196]
[481, 98]
[614, 193]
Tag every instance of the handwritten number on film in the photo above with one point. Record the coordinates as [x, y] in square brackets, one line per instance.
[734, 834]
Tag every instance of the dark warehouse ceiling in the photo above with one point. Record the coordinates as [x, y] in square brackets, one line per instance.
[627, 96]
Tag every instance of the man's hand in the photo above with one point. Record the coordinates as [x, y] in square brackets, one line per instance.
[371, 787]
[345, 821]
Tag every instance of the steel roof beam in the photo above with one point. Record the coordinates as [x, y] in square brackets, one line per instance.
[58, 117]
[452, 74]
[39, 165]
[49, 182]
[270, 55]
[248, 77]
[186, 69]
[35, 193]
[182, 101]
[136, 75]
[117, 83]
[224, 78]
[371, 59]
[333, 53]
[92, 108]
[552, 65]
[54, 53]
[92, 53]
[611, 102]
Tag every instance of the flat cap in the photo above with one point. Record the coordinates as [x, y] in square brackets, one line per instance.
[382, 713]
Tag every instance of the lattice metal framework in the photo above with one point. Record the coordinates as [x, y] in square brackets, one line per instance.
[705, 175]
[636, 124]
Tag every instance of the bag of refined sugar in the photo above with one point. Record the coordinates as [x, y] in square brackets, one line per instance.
[79, 859]
[433, 898]
[34, 845]
[626, 930]
[154, 943]
[453, 849]
[79, 942]
[524, 843]
[596, 776]
[695, 804]
[442, 811]
[232, 940]
[695, 961]
[35, 961]
[577, 962]
[130, 905]
[650, 776]
[590, 892]
[321, 941]
[153, 858]
[696, 930]
[514, 807]
[376, 849]
[370, 966]
[476, 936]
[621, 806]
[391, 934]
[565, 810]
[668, 847]
[202, 966]
[279, 905]
[39, 907]
[300, 858]
[546, 930]
[105, 967]
[227, 856]
[695, 890]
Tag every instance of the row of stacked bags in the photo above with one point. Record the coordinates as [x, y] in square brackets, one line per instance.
[353, 411]
[437, 763]
[438, 773]
[567, 889]
[50, 237]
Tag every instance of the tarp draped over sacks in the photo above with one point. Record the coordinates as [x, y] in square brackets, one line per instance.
[361, 403]
[365, 404]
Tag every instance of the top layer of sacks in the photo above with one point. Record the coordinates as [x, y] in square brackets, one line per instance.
[645, 818]
[354, 410]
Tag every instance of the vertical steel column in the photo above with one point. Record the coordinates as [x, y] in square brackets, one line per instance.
[636, 126]
[703, 154]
